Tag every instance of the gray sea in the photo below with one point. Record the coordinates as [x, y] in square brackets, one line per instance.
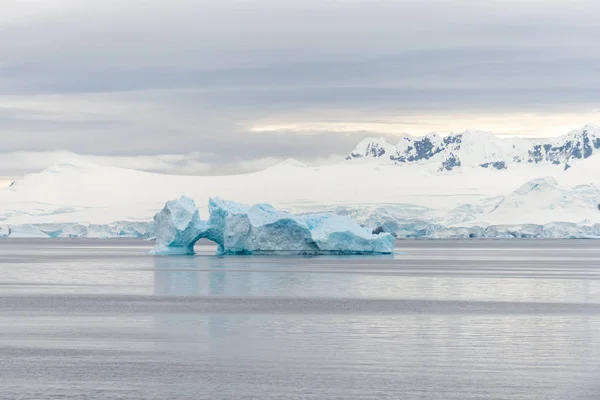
[101, 319]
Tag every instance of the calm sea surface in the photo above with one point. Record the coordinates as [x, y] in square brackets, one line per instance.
[458, 320]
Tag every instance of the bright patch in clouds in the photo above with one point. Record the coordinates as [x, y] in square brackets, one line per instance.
[512, 124]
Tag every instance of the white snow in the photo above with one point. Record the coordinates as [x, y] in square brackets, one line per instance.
[584, 172]
[541, 201]
[289, 163]
[480, 147]
[76, 199]
[91, 194]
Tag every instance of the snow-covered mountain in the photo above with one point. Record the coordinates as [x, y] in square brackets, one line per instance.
[471, 184]
[375, 148]
[474, 148]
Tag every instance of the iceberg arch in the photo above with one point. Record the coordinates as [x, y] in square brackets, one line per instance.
[261, 229]
[177, 227]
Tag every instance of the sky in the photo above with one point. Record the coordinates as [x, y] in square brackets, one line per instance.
[228, 86]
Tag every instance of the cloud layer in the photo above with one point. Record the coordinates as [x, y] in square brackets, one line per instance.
[140, 79]
[19, 163]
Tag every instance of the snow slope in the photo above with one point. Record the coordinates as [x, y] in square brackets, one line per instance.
[584, 172]
[436, 183]
[91, 194]
[543, 200]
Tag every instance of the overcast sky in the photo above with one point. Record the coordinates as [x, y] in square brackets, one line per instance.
[194, 86]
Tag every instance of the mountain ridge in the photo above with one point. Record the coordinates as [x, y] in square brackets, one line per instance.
[476, 148]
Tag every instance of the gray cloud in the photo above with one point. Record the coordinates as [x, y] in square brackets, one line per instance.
[15, 164]
[141, 78]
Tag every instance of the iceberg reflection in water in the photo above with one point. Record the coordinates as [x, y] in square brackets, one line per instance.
[458, 320]
[232, 276]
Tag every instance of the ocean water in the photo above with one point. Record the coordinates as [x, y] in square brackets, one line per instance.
[100, 319]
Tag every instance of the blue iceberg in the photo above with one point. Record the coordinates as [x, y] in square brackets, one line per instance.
[177, 227]
[261, 229]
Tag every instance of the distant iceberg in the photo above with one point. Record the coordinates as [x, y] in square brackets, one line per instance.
[4, 231]
[242, 229]
[23, 232]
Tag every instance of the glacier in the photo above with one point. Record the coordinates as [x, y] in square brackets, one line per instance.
[396, 226]
[540, 208]
[504, 187]
[72, 230]
[396, 223]
[24, 232]
[261, 229]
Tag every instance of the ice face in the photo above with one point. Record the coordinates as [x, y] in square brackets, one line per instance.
[336, 233]
[26, 231]
[119, 229]
[241, 229]
[178, 227]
